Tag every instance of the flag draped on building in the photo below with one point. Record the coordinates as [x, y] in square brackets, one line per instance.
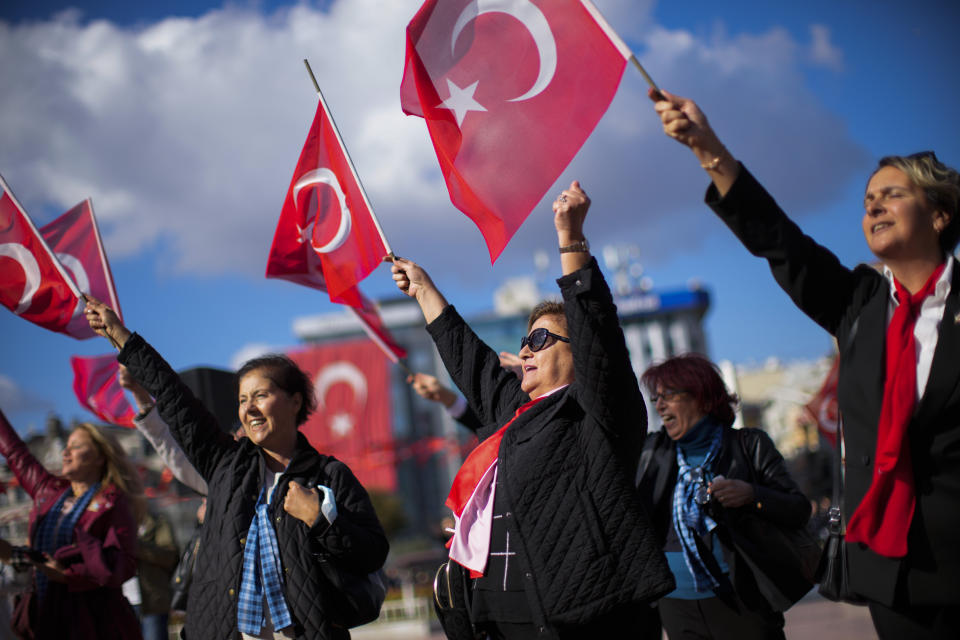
[33, 283]
[510, 91]
[352, 421]
[75, 240]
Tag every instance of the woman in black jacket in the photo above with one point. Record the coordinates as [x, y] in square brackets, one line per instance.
[699, 477]
[277, 510]
[548, 518]
[898, 332]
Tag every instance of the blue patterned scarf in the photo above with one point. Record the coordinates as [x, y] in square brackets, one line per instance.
[261, 575]
[54, 532]
[689, 518]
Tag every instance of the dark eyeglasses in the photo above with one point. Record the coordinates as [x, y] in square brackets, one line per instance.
[538, 339]
[667, 395]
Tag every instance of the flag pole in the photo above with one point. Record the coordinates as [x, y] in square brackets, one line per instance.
[346, 153]
[619, 43]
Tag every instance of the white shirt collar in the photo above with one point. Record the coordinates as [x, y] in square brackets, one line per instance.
[941, 289]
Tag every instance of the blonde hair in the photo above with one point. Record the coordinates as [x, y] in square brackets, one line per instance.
[118, 470]
[940, 184]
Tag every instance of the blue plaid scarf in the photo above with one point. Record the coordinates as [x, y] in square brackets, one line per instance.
[261, 575]
[54, 532]
[689, 518]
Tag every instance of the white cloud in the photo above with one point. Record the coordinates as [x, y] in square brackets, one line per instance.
[185, 132]
[822, 50]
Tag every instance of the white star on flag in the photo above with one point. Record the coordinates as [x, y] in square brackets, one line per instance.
[341, 424]
[461, 101]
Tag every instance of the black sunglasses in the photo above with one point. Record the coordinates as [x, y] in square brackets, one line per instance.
[538, 339]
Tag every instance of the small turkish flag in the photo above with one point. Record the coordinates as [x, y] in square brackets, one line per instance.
[325, 225]
[510, 91]
[97, 388]
[33, 284]
[75, 240]
[352, 421]
[824, 406]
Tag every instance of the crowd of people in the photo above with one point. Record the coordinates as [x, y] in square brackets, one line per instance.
[570, 520]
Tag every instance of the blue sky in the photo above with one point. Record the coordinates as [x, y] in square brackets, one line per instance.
[183, 120]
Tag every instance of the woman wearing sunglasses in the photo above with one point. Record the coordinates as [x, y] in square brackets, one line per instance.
[548, 521]
[898, 332]
[700, 478]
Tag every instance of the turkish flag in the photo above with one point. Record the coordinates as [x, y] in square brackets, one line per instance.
[352, 421]
[97, 388]
[824, 406]
[33, 284]
[325, 221]
[75, 240]
[510, 91]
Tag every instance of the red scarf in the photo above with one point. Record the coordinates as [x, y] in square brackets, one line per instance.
[476, 464]
[882, 520]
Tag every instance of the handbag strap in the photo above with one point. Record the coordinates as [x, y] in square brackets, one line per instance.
[835, 520]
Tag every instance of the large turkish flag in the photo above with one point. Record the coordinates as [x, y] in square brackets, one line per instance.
[510, 90]
[353, 419]
[33, 284]
[75, 240]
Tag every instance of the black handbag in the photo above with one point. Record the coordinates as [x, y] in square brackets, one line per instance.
[450, 601]
[354, 599]
[782, 560]
[182, 576]
[832, 572]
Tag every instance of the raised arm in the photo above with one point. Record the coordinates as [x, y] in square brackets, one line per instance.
[193, 426]
[491, 391]
[155, 430]
[31, 475]
[684, 122]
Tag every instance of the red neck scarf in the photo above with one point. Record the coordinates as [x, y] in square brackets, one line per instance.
[882, 520]
[477, 463]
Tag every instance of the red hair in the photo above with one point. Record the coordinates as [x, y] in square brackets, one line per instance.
[694, 374]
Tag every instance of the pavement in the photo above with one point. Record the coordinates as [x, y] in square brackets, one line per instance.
[813, 618]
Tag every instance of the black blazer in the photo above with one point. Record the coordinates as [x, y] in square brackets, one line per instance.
[566, 465]
[852, 306]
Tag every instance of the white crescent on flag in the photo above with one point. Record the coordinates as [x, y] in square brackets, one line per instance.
[530, 17]
[323, 176]
[31, 271]
[346, 372]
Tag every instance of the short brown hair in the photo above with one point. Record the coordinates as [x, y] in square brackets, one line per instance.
[547, 308]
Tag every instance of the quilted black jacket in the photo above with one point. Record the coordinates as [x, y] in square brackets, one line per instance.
[234, 473]
[566, 465]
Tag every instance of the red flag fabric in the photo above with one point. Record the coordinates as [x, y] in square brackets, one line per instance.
[97, 388]
[75, 240]
[352, 421]
[824, 407]
[510, 90]
[326, 227]
[33, 284]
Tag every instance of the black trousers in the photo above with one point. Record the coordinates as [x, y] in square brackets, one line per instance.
[915, 622]
[636, 622]
[714, 619]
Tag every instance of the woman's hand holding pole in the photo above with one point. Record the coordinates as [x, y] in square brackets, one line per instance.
[105, 322]
[414, 281]
[684, 122]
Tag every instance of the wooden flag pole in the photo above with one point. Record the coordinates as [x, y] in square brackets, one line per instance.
[619, 43]
[346, 153]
